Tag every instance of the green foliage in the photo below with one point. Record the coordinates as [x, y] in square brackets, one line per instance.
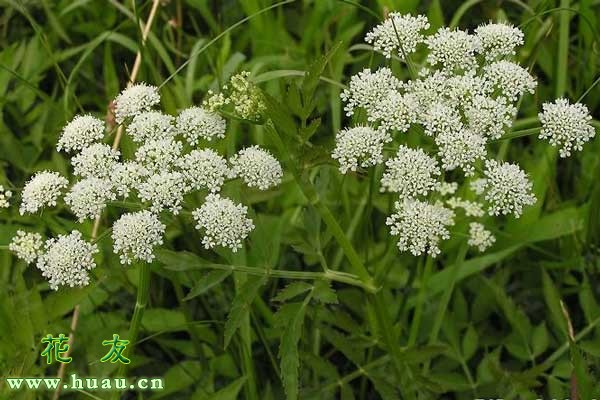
[319, 304]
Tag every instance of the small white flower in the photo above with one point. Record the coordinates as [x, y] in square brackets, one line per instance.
[196, 123]
[460, 150]
[5, 195]
[498, 40]
[368, 88]
[507, 188]
[135, 235]
[429, 90]
[135, 100]
[159, 155]
[67, 260]
[97, 160]
[478, 185]
[361, 145]
[151, 125]
[472, 208]
[42, 190]
[204, 169]
[89, 196]
[509, 79]
[127, 176]
[490, 117]
[396, 111]
[460, 90]
[411, 173]
[224, 222]
[164, 190]
[441, 118]
[480, 237]
[80, 133]
[26, 245]
[398, 33]
[256, 167]
[452, 49]
[420, 226]
[567, 126]
[446, 188]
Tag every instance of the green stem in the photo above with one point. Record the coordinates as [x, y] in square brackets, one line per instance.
[519, 133]
[563, 49]
[443, 306]
[329, 275]
[386, 329]
[416, 323]
[143, 292]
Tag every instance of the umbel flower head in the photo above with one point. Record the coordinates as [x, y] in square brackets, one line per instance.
[67, 260]
[136, 234]
[420, 226]
[204, 169]
[507, 188]
[398, 34]
[126, 176]
[196, 123]
[88, 197]
[465, 95]
[224, 223]
[359, 146]
[567, 126]
[411, 173]
[80, 133]
[368, 88]
[5, 195]
[97, 160]
[256, 167]
[498, 40]
[452, 49]
[135, 100]
[480, 237]
[43, 189]
[151, 125]
[26, 245]
[159, 155]
[164, 191]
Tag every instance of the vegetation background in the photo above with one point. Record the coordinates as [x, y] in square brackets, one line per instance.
[522, 321]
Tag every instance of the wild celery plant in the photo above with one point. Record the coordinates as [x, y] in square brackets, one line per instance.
[419, 247]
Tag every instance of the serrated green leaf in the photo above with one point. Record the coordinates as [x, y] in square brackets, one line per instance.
[292, 290]
[206, 283]
[324, 293]
[469, 343]
[290, 318]
[552, 298]
[229, 392]
[241, 305]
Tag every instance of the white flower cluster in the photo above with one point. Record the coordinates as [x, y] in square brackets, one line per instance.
[420, 226]
[566, 125]
[465, 96]
[224, 223]
[480, 237]
[27, 246]
[81, 132]
[136, 234]
[398, 33]
[361, 145]
[67, 260]
[256, 167]
[411, 173]
[163, 171]
[5, 196]
[43, 189]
